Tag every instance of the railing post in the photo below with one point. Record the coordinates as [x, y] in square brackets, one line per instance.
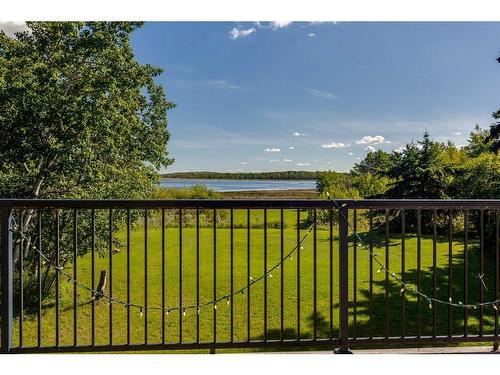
[344, 280]
[6, 278]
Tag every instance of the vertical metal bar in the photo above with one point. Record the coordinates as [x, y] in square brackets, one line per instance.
[110, 276]
[331, 271]
[419, 255]
[215, 277]
[344, 278]
[181, 312]
[58, 275]
[92, 261]
[6, 278]
[355, 275]
[282, 326]
[128, 276]
[315, 276]
[298, 274]
[232, 273]
[265, 274]
[371, 272]
[466, 269]
[197, 273]
[163, 275]
[386, 285]
[403, 272]
[497, 275]
[145, 276]
[434, 272]
[21, 279]
[39, 280]
[481, 271]
[450, 263]
[75, 275]
[248, 275]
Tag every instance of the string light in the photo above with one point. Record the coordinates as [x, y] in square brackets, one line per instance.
[299, 246]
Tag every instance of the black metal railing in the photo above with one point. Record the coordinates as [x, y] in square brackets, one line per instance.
[115, 275]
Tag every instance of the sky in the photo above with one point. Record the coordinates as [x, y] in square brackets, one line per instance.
[274, 96]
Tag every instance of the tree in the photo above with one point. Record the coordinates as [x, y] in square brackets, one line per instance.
[376, 162]
[79, 118]
[419, 171]
[479, 142]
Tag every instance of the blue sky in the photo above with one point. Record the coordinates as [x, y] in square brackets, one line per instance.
[318, 96]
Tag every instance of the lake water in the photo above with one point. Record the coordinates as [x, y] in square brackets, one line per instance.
[239, 185]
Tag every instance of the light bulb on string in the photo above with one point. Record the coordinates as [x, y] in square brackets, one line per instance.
[184, 312]
[228, 300]
[379, 270]
[141, 314]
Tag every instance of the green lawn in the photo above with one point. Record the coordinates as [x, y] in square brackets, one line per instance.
[363, 325]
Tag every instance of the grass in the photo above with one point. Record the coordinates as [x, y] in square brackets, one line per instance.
[382, 320]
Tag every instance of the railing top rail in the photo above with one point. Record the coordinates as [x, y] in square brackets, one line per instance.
[257, 203]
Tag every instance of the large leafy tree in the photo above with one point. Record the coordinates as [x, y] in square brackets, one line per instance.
[79, 118]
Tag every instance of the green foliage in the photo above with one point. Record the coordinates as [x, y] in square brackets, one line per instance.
[420, 171]
[193, 192]
[79, 118]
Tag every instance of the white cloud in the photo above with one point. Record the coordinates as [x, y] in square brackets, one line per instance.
[274, 160]
[280, 24]
[399, 150]
[358, 158]
[297, 134]
[322, 94]
[312, 35]
[369, 140]
[224, 85]
[10, 28]
[241, 33]
[370, 149]
[456, 133]
[272, 149]
[303, 164]
[244, 163]
[287, 160]
[350, 154]
[335, 145]
[291, 147]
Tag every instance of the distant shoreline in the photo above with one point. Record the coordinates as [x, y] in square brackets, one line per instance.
[285, 175]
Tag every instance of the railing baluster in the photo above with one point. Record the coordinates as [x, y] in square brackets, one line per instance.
[57, 276]
[298, 274]
[111, 276]
[481, 271]
[39, 279]
[163, 249]
[248, 274]
[215, 278]
[128, 276]
[355, 274]
[181, 312]
[386, 284]
[197, 273]
[281, 277]
[434, 272]
[497, 275]
[75, 277]
[6, 278]
[403, 272]
[419, 253]
[371, 271]
[145, 276]
[344, 278]
[315, 277]
[450, 265]
[231, 265]
[331, 271]
[265, 274]
[466, 269]
[21, 279]
[92, 261]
